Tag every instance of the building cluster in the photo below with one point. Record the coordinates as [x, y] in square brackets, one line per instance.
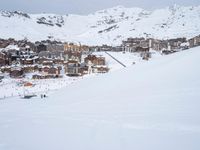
[48, 59]
[165, 46]
[144, 45]
[53, 59]
[138, 44]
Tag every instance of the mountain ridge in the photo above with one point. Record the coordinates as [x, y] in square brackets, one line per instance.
[108, 26]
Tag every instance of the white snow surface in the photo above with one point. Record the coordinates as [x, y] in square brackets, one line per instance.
[109, 26]
[149, 106]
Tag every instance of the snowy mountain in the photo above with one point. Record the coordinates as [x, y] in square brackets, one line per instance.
[149, 106]
[109, 26]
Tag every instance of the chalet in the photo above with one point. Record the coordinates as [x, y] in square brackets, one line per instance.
[141, 49]
[83, 69]
[72, 47]
[27, 61]
[53, 54]
[25, 48]
[133, 40]
[175, 43]
[13, 54]
[76, 47]
[97, 61]
[16, 72]
[185, 45]
[57, 55]
[41, 47]
[73, 55]
[73, 68]
[30, 46]
[2, 59]
[96, 64]
[117, 49]
[55, 47]
[30, 68]
[138, 44]
[163, 45]
[47, 63]
[94, 48]
[100, 69]
[105, 48]
[45, 70]
[44, 54]
[131, 44]
[157, 45]
[144, 44]
[195, 41]
[58, 61]
[84, 48]
[43, 59]
[54, 71]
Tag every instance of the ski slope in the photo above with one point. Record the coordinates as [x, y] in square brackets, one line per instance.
[149, 106]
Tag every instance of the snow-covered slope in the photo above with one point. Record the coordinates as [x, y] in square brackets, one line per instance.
[108, 26]
[149, 106]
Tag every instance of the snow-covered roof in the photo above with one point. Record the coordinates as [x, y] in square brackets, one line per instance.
[185, 44]
[14, 47]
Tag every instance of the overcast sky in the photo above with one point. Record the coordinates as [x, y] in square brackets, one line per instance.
[85, 6]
